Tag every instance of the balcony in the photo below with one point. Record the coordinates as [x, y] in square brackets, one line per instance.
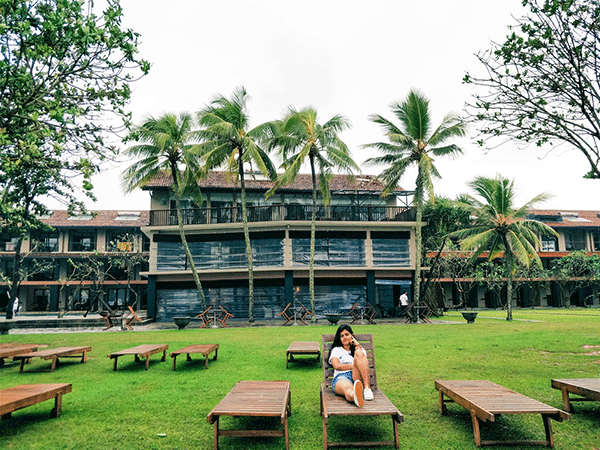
[272, 213]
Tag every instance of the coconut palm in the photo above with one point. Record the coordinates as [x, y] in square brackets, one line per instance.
[501, 228]
[412, 143]
[300, 139]
[229, 142]
[167, 143]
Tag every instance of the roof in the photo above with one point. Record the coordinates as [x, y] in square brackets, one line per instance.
[567, 218]
[95, 219]
[303, 182]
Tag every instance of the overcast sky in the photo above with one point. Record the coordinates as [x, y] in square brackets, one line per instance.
[348, 57]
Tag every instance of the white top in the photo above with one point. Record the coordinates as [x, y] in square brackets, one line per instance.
[343, 356]
[404, 300]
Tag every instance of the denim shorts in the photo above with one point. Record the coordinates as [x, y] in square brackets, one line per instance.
[340, 376]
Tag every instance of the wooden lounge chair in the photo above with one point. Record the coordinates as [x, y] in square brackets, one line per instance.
[144, 351]
[304, 313]
[486, 400]
[109, 317]
[302, 348]
[11, 350]
[54, 354]
[254, 399]
[285, 314]
[352, 313]
[203, 316]
[333, 405]
[18, 397]
[204, 349]
[587, 388]
[131, 318]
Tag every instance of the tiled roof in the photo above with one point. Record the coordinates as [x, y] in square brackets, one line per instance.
[103, 218]
[562, 218]
[303, 182]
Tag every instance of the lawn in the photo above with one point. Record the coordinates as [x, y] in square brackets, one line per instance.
[161, 408]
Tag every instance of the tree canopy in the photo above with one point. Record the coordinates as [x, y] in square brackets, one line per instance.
[541, 85]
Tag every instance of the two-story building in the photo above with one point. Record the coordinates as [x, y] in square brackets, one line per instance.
[57, 263]
[364, 246]
[577, 230]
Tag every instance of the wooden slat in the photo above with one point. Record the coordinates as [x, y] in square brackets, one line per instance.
[204, 349]
[587, 388]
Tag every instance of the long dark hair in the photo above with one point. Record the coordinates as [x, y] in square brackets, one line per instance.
[337, 340]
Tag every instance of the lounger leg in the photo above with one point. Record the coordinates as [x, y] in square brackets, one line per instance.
[115, 364]
[476, 432]
[188, 358]
[443, 408]
[84, 356]
[324, 433]
[174, 359]
[287, 436]
[396, 437]
[54, 363]
[57, 406]
[216, 351]
[22, 364]
[164, 358]
[548, 428]
[567, 406]
[147, 362]
[216, 433]
[206, 361]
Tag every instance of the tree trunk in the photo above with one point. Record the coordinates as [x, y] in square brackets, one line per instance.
[313, 226]
[15, 279]
[247, 240]
[184, 242]
[418, 245]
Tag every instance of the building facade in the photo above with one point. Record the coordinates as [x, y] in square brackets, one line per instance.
[577, 231]
[364, 247]
[80, 263]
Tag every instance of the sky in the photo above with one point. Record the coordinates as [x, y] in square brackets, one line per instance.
[343, 57]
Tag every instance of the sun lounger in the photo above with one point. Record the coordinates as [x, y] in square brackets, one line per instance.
[254, 399]
[12, 350]
[144, 351]
[54, 354]
[18, 397]
[587, 388]
[302, 348]
[204, 349]
[486, 400]
[333, 405]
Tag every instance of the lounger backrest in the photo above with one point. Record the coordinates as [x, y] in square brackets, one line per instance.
[365, 340]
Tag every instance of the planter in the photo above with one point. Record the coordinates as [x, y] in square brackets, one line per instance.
[470, 316]
[5, 326]
[333, 318]
[181, 322]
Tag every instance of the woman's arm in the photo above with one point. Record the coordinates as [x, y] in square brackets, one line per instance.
[337, 365]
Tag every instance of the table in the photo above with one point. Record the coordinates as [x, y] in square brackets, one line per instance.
[302, 348]
[254, 399]
[54, 354]
[205, 349]
[144, 351]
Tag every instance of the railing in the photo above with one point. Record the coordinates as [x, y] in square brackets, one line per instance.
[271, 213]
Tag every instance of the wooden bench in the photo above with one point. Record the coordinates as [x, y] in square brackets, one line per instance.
[204, 349]
[335, 405]
[19, 397]
[486, 400]
[587, 388]
[144, 351]
[10, 350]
[54, 354]
[254, 399]
[302, 348]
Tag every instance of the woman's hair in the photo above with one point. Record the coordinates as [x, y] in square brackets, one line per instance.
[337, 340]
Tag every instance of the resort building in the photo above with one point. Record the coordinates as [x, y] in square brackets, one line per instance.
[364, 246]
[82, 261]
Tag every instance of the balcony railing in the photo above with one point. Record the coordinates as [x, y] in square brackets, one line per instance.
[271, 213]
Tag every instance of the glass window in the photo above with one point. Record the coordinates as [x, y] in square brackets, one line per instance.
[82, 241]
[120, 240]
[391, 252]
[596, 240]
[329, 252]
[574, 240]
[549, 244]
[45, 241]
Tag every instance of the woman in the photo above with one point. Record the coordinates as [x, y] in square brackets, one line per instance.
[351, 367]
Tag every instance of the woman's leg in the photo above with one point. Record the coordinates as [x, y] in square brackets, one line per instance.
[360, 371]
[344, 387]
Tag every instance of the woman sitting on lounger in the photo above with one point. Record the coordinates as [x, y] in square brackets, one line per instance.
[351, 367]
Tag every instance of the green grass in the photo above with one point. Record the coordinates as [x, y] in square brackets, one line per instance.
[131, 407]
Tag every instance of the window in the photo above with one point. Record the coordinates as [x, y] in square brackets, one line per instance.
[391, 248]
[596, 240]
[82, 241]
[549, 244]
[330, 252]
[574, 240]
[120, 240]
[45, 242]
[116, 298]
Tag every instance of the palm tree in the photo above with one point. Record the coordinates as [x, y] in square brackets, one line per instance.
[166, 143]
[301, 138]
[501, 228]
[413, 143]
[229, 142]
